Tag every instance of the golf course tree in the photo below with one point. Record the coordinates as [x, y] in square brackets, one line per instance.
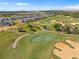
[68, 29]
[58, 27]
[32, 29]
[20, 29]
[76, 31]
[71, 29]
[45, 27]
[30, 25]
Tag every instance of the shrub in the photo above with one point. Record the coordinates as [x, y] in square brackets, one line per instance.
[58, 27]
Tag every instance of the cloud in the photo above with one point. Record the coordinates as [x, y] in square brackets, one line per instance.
[22, 4]
[9, 6]
[72, 7]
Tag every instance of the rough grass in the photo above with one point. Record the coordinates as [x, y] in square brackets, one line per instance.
[6, 39]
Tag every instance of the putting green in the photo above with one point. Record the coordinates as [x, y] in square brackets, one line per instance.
[42, 37]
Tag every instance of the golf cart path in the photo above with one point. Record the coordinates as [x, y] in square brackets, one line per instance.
[16, 41]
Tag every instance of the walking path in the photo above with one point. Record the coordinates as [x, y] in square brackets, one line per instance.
[16, 41]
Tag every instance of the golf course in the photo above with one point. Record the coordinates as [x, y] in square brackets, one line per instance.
[39, 41]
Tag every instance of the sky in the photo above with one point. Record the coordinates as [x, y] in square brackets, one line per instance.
[30, 5]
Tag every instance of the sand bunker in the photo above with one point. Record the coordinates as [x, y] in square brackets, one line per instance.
[65, 51]
[53, 21]
[74, 23]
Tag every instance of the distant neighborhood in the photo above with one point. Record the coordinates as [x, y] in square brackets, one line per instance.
[23, 19]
